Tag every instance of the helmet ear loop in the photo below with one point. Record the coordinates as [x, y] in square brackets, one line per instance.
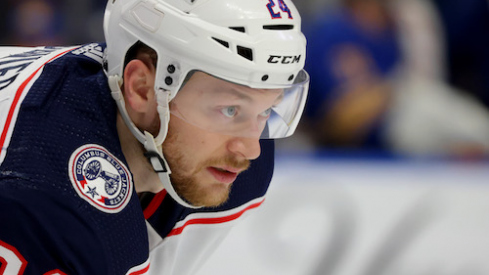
[163, 109]
[115, 83]
[162, 100]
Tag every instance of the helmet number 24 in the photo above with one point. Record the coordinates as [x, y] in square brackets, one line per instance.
[283, 7]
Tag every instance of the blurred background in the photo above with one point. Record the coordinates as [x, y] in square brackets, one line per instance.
[388, 171]
[389, 77]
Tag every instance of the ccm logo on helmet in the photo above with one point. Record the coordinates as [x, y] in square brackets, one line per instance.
[284, 59]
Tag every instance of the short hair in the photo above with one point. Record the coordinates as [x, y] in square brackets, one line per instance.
[138, 48]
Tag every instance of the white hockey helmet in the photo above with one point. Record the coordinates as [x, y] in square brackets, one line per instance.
[255, 43]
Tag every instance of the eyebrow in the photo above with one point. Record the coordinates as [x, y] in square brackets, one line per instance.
[232, 91]
[246, 97]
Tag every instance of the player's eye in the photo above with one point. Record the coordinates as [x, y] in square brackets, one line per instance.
[229, 111]
[266, 113]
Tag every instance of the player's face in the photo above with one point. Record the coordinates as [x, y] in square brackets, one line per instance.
[205, 163]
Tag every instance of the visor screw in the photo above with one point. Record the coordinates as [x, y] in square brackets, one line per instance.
[291, 77]
[171, 68]
[264, 78]
[168, 80]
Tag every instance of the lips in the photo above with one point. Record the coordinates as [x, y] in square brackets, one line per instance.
[226, 176]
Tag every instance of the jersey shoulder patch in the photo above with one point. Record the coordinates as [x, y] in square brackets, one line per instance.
[100, 178]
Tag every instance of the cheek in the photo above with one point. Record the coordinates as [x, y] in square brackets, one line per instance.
[193, 139]
[200, 147]
[192, 147]
[186, 145]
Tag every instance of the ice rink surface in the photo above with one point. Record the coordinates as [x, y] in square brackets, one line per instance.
[364, 217]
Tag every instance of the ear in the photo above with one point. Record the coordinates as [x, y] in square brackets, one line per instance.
[139, 86]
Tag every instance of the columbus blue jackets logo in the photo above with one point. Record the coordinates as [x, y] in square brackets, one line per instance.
[100, 178]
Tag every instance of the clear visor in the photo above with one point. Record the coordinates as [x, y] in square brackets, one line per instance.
[223, 107]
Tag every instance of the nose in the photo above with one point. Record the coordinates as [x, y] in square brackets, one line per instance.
[248, 148]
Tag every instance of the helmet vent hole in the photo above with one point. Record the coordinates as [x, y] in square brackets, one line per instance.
[278, 27]
[168, 81]
[239, 29]
[222, 42]
[245, 52]
[264, 78]
[291, 77]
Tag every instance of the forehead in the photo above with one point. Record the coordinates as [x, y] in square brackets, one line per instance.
[201, 84]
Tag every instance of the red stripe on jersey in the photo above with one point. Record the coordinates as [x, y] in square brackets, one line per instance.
[17, 97]
[139, 272]
[55, 272]
[154, 204]
[178, 230]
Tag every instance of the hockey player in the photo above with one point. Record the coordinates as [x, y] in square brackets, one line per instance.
[84, 179]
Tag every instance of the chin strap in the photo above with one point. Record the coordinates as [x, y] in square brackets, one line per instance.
[152, 145]
[161, 167]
